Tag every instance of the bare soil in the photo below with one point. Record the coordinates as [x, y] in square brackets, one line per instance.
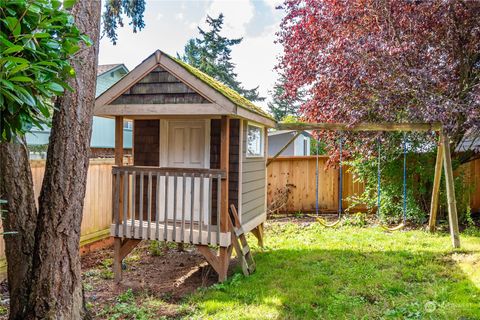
[165, 273]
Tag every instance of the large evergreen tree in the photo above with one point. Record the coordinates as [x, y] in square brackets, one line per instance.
[282, 105]
[211, 53]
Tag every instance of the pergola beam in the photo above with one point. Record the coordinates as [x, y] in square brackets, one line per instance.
[300, 126]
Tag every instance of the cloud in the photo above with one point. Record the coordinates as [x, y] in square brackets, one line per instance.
[180, 16]
[256, 58]
[238, 14]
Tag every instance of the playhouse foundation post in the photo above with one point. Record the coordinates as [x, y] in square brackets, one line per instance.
[121, 249]
[224, 261]
[258, 233]
[117, 262]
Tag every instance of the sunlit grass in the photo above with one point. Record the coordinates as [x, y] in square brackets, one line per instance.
[309, 272]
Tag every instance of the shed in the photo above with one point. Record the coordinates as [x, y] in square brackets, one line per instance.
[198, 147]
[279, 138]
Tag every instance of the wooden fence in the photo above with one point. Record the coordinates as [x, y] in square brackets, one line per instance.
[97, 210]
[472, 178]
[296, 171]
[299, 174]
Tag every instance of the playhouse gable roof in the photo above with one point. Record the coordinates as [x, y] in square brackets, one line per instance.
[164, 85]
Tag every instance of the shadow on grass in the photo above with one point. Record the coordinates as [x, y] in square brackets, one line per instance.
[346, 284]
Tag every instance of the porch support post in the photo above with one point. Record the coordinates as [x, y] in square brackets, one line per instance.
[451, 201]
[224, 254]
[118, 140]
[436, 187]
[117, 260]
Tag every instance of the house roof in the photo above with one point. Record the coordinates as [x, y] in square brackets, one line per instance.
[104, 68]
[222, 99]
[470, 142]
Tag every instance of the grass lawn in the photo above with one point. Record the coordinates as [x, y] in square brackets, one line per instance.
[310, 272]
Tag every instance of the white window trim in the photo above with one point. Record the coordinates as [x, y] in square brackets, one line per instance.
[262, 141]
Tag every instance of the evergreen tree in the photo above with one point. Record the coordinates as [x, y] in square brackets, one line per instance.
[211, 54]
[282, 106]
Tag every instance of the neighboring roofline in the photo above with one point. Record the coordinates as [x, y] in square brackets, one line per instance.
[224, 104]
[119, 66]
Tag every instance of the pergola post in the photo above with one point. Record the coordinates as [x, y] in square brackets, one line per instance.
[436, 186]
[224, 254]
[451, 201]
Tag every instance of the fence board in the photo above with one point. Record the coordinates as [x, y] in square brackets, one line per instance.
[300, 173]
[97, 210]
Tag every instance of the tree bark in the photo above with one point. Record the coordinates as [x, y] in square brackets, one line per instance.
[56, 291]
[16, 186]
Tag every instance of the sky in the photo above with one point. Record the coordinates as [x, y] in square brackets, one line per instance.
[169, 24]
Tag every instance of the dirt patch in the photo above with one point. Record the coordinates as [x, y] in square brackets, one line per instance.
[156, 279]
[161, 274]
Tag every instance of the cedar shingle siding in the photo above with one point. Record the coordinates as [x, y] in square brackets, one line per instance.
[215, 130]
[146, 152]
[159, 87]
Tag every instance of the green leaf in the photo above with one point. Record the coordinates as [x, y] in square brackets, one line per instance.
[34, 8]
[53, 44]
[15, 59]
[21, 79]
[55, 87]
[67, 4]
[41, 35]
[13, 25]
[25, 96]
[86, 39]
[7, 84]
[6, 42]
[13, 49]
[10, 96]
[56, 4]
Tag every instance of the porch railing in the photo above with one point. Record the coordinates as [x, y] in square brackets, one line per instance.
[169, 204]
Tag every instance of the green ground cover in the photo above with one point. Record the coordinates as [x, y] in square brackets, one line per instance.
[310, 272]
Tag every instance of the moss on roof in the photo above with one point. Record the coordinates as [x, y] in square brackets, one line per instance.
[226, 91]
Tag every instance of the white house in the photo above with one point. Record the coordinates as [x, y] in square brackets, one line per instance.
[279, 138]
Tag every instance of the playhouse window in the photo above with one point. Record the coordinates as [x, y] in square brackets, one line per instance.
[254, 141]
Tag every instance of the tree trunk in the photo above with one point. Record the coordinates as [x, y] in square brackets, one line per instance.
[16, 186]
[56, 291]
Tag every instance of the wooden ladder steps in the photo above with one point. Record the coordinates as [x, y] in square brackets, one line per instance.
[240, 244]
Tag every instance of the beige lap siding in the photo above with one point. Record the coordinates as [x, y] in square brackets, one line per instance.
[253, 183]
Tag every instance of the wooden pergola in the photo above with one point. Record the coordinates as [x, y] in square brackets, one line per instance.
[443, 155]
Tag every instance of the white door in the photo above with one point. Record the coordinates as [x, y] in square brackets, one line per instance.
[185, 144]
